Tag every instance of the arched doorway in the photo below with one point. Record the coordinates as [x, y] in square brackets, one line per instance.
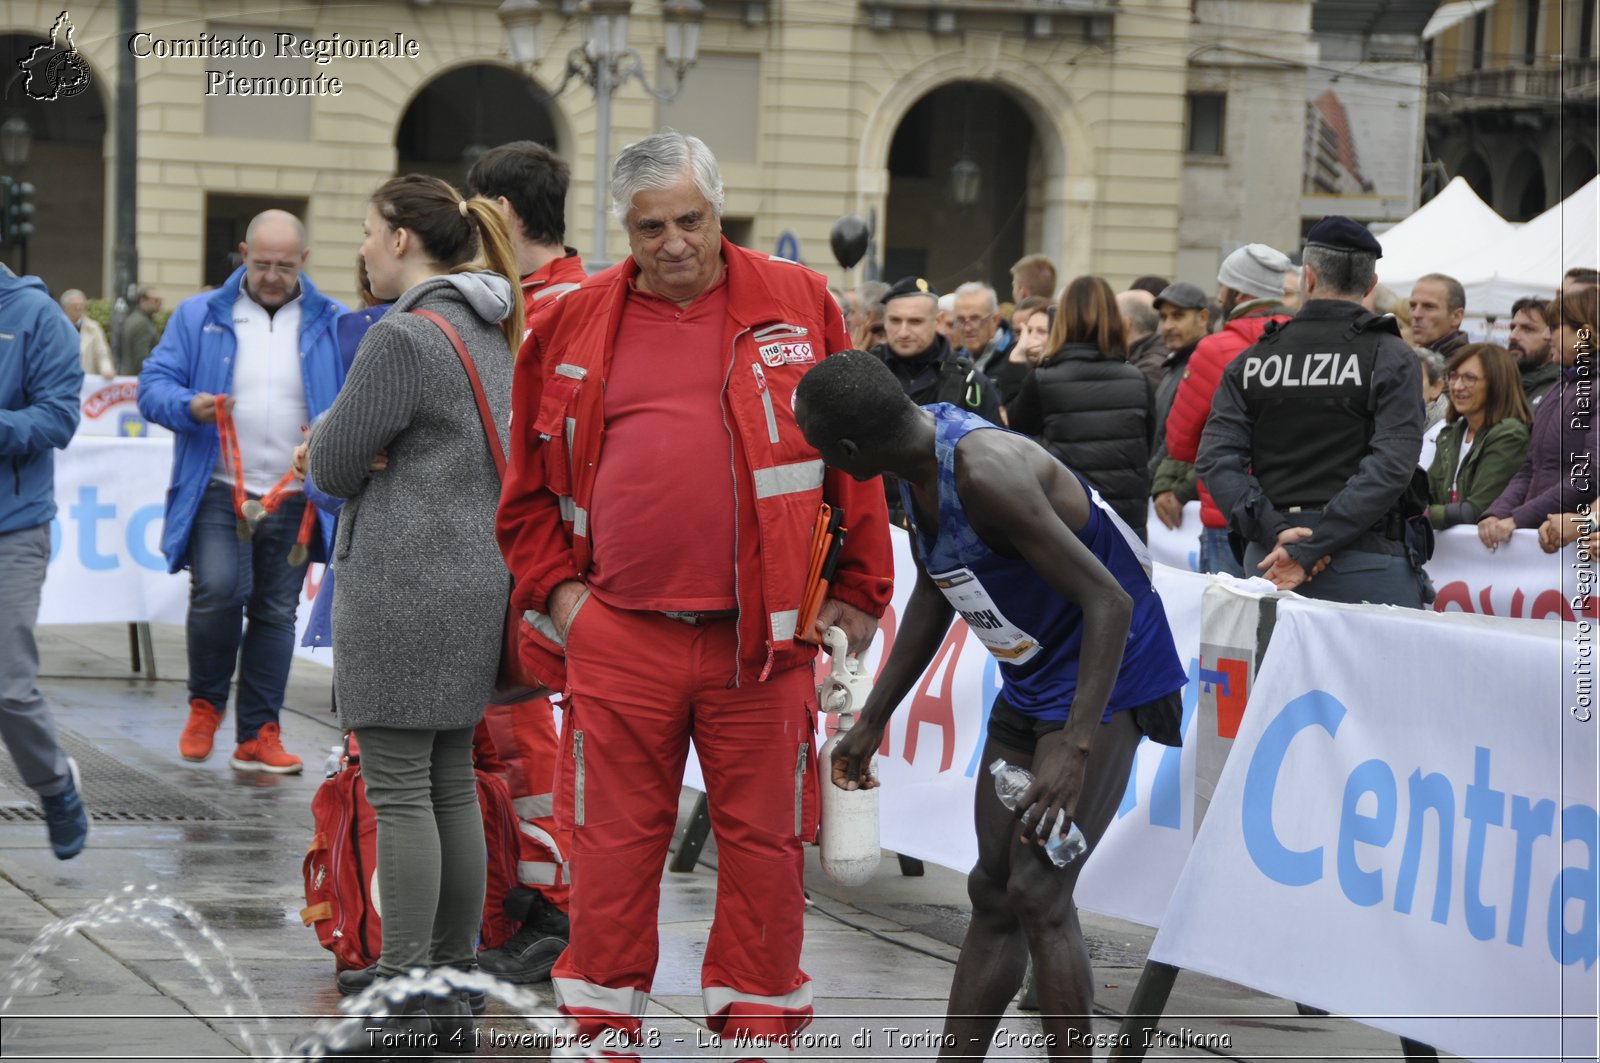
[66, 166]
[464, 112]
[959, 167]
[1577, 170]
[1474, 169]
[1525, 192]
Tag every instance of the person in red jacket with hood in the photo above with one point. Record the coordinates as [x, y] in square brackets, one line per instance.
[529, 182]
[1251, 295]
[657, 515]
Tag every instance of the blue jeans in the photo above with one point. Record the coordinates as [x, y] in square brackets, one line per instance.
[1216, 555]
[231, 582]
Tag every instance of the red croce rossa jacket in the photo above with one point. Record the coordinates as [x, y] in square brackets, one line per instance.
[781, 320]
[1192, 404]
[549, 282]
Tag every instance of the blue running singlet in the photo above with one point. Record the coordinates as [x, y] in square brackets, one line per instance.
[1035, 634]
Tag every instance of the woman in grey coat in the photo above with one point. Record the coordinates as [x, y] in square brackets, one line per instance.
[421, 607]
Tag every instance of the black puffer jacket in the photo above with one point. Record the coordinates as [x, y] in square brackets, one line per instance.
[1094, 414]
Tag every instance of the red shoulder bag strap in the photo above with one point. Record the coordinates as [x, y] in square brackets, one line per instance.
[489, 431]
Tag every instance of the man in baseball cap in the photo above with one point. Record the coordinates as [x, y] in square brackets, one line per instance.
[1250, 290]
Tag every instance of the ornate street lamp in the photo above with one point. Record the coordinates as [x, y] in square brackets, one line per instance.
[605, 63]
[966, 182]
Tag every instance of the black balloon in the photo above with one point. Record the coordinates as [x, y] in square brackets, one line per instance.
[848, 240]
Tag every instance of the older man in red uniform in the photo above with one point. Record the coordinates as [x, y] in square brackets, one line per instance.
[657, 516]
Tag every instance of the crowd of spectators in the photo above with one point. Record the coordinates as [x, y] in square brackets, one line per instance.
[1055, 363]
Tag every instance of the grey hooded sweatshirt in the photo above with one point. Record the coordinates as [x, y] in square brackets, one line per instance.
[422, 589]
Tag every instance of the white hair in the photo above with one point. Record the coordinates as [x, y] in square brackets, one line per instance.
[978, 288]
[659, 161]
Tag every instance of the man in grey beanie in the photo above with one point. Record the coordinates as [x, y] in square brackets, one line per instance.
[1251, 295]
[1253, 272]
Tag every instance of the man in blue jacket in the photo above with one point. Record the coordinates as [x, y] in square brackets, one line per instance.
[40, 378]
[265, 343]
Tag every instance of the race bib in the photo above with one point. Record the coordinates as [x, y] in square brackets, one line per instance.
[1000, 636]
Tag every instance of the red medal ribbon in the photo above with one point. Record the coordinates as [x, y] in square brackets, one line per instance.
[274, 498]
[230, 453]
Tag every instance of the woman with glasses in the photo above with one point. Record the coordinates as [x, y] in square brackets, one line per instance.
[1485, 436]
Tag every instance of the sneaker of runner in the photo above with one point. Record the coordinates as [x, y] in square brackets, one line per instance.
[65, 818]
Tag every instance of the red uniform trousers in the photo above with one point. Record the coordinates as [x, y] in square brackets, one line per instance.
[640, 685]
[525, 736]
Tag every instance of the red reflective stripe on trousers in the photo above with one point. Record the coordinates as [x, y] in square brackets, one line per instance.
[639, 684]
[525, 736]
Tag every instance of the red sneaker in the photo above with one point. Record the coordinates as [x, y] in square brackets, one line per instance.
[198, 733]
[265, 752]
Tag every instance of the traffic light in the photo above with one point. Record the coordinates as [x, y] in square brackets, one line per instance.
[18, 213]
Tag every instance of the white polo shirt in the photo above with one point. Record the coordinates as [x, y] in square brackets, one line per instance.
[268, 391]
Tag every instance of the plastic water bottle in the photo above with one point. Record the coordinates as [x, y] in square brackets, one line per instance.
[1011, 782]
[849, 834]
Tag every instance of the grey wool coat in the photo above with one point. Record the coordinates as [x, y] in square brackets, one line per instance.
[420, 604]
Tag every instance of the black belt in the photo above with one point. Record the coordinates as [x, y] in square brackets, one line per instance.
[1389, 526]
[694, 619]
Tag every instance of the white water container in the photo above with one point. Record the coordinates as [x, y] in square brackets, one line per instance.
[849, 828]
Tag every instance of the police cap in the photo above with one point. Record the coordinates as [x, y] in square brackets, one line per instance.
[910, 286]
[1338, 233]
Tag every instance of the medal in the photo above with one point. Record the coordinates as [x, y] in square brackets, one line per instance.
[250, 512]
[301, 549]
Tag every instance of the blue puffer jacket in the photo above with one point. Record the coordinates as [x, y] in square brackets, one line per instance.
[41, 375]
[195, 355]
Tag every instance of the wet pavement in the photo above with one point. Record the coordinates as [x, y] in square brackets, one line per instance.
[230, 846]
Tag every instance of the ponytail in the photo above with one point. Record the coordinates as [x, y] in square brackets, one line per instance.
[494, 243]
[463, 235]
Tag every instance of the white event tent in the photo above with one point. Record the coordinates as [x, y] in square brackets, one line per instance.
[1496, 261]
[1563, 237]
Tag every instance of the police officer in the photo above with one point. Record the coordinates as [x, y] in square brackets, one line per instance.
[1314, 435]
[928, 368]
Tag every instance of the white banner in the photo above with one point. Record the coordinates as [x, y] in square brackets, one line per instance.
[106, 564]
[1518, 580]
[1230, 624]
[111, 408]
[105, 543]
[1406, 832]
[1176, 547]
